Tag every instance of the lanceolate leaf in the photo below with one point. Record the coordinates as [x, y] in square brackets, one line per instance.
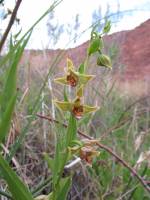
[10, 85]
[81, 68]
[17, 188]
[96, 45]
[107, 27]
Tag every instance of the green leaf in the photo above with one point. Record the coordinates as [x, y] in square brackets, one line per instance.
[104, 61]
[18, 190]
[10, 85]
[6, 119]
[35, 106]
[65, 184]
[107, 27]
[139, 193]
[17, 34]
[81, 69]
[96, 45]
[57, 163]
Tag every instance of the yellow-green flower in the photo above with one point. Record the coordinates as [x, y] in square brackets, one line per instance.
[86, 149]
[76, 107]
[72, 77]
[87, 153]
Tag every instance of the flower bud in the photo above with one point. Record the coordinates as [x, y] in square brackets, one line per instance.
[104, 61]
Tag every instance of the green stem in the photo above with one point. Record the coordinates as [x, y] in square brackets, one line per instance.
[71, 130]
[70, 136]
[86, 60]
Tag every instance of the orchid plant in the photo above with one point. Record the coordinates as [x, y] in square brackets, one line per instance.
[73, 146]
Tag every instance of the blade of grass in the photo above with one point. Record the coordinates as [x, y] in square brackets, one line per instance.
[18, 190]
[19, 140]
[5, 123]
[10, 85]
[23, 133]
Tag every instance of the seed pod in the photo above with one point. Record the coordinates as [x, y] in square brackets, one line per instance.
[104, 61]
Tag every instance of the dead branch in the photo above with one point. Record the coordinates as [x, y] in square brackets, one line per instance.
[11, 21]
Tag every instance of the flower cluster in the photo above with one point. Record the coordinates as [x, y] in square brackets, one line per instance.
[78, 79]
[75, 79]
[77, 108]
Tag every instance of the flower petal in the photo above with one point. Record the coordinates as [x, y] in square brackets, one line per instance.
[89, 109]
[62, 80]
[83, 79]
[69, 64]
[64, 106]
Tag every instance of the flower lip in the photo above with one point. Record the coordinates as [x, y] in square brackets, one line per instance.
[72, 80]
[87, 153]
[78, 111]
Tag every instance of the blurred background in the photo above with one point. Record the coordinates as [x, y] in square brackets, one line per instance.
[63, 27]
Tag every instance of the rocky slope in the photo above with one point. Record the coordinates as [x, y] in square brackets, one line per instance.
[131, 62]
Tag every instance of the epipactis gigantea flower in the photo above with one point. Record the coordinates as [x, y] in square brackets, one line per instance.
[76, 107]
[86, 150]
[72, 77]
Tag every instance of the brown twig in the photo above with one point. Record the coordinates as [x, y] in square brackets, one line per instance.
[11, 21]
[109, 150]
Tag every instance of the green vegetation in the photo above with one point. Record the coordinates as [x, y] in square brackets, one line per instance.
[72, 150]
